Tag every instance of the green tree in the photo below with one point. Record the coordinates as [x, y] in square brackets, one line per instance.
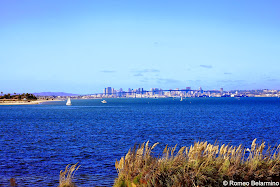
[7, 96]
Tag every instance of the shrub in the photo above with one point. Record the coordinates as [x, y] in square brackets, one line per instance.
[200, 164]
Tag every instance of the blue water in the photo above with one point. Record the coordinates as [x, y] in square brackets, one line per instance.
[37, 141]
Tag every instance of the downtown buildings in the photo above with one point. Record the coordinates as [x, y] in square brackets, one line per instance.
[110, 92]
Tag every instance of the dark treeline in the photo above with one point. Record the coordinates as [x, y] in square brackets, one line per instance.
[23, 96]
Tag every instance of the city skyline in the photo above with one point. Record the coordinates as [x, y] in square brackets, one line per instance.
[183, 92]
[134, 90]
[80, 47]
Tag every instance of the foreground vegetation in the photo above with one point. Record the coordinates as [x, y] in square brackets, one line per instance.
[201, 164]
[66, 177]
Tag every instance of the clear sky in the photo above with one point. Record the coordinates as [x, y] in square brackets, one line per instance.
[83, 46]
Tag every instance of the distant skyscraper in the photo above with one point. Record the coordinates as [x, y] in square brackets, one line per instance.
[120, 92]
[160, 92]
[129, 91]
[108, 91]
[152, 91]
[140, 90]
[155, 91]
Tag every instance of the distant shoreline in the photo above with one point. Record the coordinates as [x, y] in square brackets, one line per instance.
[5, 102]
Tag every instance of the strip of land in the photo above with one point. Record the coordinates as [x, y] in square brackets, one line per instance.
[32, 102]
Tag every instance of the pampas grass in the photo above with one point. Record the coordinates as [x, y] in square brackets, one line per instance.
[66, 177]
[201, 164]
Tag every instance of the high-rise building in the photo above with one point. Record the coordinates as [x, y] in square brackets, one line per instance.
[108, 91]
[154, 91]
[120, 93]
[114, 92]
[129, 91]
[140, 90]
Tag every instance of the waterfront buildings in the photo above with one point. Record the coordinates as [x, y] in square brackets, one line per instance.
[110, 92]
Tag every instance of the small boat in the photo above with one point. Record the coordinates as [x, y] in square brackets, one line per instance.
[181, 99]
[103, 101]
[68, 103]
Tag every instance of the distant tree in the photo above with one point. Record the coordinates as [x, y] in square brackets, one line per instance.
[7, 96]
[1, 93]
[30, 96]
[34, 97]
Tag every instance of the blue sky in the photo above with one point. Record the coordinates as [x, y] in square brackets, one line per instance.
[84, 46]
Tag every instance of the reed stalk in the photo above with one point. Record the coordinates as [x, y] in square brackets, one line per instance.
[66, 177]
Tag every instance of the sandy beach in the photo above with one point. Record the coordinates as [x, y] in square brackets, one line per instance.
[6, 102]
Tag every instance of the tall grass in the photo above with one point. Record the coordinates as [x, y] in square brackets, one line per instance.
[66, 177]
[202, 164]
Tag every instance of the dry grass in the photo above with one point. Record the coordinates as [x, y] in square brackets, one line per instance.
[201, 164]
[66, 177]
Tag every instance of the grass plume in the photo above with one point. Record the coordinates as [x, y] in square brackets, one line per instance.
[201, 164]
[66, 177]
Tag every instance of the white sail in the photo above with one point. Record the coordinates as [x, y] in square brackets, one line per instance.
[181, 99]
[68, 102]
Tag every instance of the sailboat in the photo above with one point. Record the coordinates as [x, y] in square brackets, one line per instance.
[103, 101]
[181, 99]
[68, 103]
